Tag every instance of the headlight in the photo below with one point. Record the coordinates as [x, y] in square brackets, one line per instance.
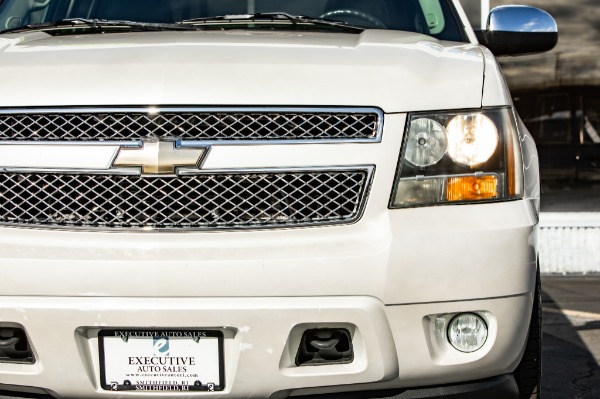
[457, 157]
[427, 142]
[473, 139]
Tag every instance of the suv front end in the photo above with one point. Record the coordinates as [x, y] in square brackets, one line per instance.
[262, 211]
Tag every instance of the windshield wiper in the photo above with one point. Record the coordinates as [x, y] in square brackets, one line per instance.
[100, 24]
[272, 17]
[222, 21]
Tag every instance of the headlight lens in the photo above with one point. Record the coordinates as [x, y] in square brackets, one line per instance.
[426, 143]
[473, 139]
[457, 157]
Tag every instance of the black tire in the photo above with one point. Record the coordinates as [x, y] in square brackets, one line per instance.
[528, 373]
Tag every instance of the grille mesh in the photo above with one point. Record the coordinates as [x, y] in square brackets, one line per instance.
[201, 201]
[188, 125]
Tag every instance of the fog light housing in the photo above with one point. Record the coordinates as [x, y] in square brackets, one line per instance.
[467, 332]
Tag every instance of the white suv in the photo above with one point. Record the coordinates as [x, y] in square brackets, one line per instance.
[265, 199]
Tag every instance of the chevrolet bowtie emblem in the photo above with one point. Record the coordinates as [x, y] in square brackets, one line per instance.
[159, 157]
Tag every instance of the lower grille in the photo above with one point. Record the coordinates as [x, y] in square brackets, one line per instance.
[196, 202]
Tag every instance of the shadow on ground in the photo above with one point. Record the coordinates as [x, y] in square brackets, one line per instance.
[569, 367]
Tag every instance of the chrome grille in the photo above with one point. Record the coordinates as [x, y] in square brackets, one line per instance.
[200, 201]
[217, 124]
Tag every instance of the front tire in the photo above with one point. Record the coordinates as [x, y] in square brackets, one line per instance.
[528, 373]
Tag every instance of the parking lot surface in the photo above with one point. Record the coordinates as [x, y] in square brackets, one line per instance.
[571, 337]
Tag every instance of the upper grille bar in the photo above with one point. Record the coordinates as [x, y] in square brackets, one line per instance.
[192, 124]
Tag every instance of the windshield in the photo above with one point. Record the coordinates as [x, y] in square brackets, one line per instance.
[432, 17]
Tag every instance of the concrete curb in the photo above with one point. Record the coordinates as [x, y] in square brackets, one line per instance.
[569, 242]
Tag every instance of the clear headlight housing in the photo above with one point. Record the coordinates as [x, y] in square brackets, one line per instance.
[459, 157]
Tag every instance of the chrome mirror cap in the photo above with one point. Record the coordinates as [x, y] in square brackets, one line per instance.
[521, 19]
[517, 30]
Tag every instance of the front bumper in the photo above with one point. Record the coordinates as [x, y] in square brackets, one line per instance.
[394, 346]
[386, 279]
[501, 387]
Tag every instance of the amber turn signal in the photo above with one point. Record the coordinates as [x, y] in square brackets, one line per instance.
[466, 188]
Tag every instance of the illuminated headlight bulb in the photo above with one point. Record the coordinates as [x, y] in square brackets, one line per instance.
[427, 142]
[472, 139]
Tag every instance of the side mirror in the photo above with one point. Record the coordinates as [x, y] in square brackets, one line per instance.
[517, 30]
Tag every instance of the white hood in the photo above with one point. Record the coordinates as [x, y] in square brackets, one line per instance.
[396, 71]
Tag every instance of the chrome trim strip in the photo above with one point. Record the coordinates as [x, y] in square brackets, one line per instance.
[56, 156]
[170, 108]
[116, 171]
[124, 143]
[160, 109]
[364, 197]
[284, 169]
[247, 143]
[113, 170]
[75, 170]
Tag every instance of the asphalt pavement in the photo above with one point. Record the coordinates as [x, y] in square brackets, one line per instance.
[571, 337]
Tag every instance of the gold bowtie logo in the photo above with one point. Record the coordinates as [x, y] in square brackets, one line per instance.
[159, 157]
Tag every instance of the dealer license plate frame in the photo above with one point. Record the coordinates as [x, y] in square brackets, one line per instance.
[149, 334]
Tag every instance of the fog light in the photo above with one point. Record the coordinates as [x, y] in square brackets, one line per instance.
[467, 332]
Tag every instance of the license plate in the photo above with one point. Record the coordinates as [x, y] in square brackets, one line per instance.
[161, 360]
